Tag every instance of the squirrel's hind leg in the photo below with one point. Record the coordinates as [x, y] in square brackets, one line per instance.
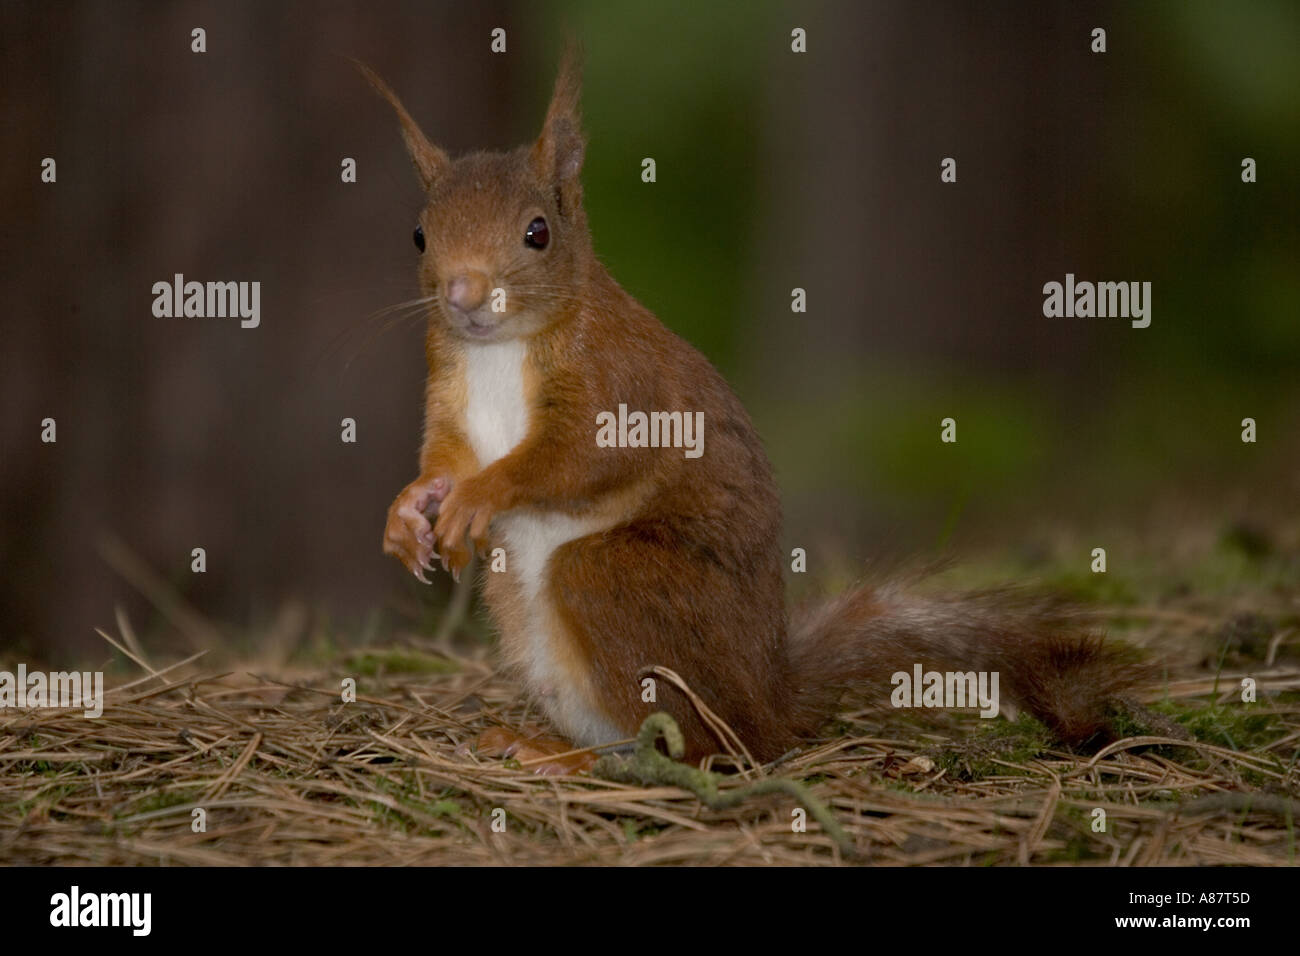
[627, 603]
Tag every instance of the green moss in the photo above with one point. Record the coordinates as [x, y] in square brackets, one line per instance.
[1125, 723]
[976, 757]
[1242, 727]
[1074, 825]
[1235, 726]
[635, 828]
[375, 662]
[49, 796]
[1104, 588]
[408, 798]
[1078, 849]
[160, 799]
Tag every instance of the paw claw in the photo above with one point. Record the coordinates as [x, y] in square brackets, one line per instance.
[408, 534]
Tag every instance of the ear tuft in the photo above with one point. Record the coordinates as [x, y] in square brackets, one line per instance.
[429, 161]
[558, 153]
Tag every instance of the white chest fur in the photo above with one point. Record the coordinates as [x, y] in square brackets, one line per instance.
[496, 420]
[496, 411]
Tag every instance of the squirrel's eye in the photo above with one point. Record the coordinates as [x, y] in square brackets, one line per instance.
[419, 238]
[538, 235]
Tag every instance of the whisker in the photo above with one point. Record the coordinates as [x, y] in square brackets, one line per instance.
[372, 326]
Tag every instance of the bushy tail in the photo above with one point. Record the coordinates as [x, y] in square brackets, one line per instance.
[1047, 664]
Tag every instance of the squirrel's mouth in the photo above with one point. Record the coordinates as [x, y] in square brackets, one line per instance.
[472, 327]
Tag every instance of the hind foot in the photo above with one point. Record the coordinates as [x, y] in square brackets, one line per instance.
[541, 753]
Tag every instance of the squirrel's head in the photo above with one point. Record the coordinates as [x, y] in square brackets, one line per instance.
[503, 239]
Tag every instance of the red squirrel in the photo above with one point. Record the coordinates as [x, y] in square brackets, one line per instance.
[621, 559]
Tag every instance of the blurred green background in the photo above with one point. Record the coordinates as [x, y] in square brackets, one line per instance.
[775, 170]
[1130, 168]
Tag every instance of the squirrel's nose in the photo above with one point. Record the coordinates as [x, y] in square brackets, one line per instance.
[468, 291]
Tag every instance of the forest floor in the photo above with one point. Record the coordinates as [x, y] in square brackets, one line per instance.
[233, 760]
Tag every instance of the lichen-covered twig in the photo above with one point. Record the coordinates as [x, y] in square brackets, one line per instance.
[648, 766]
[1233, 802]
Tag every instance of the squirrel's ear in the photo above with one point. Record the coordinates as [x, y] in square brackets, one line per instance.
[429, 160]
[557, 154]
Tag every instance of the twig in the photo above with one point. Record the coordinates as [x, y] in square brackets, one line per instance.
[649, 766]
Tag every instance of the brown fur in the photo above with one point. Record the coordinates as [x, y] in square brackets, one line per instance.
[687, 572]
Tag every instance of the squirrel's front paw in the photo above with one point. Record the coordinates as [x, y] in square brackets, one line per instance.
[408, 536]
[467, 510]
